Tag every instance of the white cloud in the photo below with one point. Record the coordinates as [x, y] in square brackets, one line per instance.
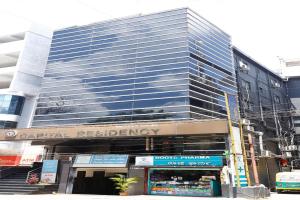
[263, 29]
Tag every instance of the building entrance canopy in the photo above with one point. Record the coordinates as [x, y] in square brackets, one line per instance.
[118, 130]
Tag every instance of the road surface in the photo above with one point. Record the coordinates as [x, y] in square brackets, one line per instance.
[274, 196]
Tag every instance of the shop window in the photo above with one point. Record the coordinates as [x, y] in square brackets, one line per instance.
[183, 182]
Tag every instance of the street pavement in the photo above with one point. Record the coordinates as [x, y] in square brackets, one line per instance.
[274, 196]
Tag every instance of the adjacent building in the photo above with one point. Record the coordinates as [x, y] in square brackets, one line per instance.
[291, 72]
[23, 58]
[265, 105]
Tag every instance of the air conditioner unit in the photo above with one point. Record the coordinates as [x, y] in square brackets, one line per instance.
[243, 66]
[275, 84]
[292, 147]
[266, 153]
[288, 154]
[246, 122]
[289, 148]
[249, 128]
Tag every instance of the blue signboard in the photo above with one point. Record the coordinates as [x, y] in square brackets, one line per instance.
[49, 166]
[205, 161]
[108, 159]
[233, 107]
[101, 160]
[49, 170]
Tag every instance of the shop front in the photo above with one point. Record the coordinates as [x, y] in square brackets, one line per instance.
[182, 175]
[92, 173]
[88, 154]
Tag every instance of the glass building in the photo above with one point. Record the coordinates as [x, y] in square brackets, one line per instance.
[10, 105]
[171, 65]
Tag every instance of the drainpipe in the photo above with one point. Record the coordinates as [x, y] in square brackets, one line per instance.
[252, 153]
[260, 138]
[259, 96]
[275, 116]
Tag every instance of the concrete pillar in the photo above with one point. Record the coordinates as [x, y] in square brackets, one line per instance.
[64, 172]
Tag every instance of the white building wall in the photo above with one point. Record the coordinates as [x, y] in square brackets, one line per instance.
[291, 68]
[30, 69]
[30, 56]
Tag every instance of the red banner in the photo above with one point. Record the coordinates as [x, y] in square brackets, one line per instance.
[9, 160]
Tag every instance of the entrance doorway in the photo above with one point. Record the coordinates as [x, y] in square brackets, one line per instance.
[98, 183]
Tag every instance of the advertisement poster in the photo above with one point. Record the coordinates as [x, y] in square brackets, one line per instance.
[9, 160]
[233, 107]
[49, 171]
[32, 154]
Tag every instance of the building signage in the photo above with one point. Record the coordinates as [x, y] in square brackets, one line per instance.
[208, 161]
[233, 106]
[90, 134]
[10, 133]
[32, 154]
[49, 171]
[118, 130]
[9, 160]
[101, 160]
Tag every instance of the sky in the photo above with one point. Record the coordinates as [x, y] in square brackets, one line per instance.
[266, 30]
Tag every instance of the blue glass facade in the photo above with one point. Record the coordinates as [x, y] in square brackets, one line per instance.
[11, 104]
[166, 66]
[7, 124]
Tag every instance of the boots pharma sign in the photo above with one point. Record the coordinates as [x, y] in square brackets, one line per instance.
[49, 171]
[207, 161]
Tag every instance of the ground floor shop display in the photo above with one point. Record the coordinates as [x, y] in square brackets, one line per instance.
[96, 161]
[183, 182]
[182, 175]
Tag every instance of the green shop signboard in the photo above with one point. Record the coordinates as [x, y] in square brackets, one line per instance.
[207, 161]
